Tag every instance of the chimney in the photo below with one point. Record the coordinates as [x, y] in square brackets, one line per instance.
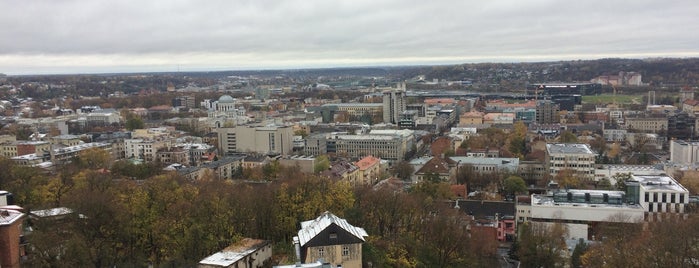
[297, 247]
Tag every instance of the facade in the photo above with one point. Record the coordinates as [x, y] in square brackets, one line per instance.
[144, 149]
[577, 157]
[582, 210]
[59, 155]
[486, 165]
[66, 140]
[10, 232]
[103, 117]
[471, 118]
[358, 109]
[275, 139]
[547, 112]
[647, 124]
[391, 145]
[369, 170]
[659, 195]
[173, 155]
[394, 104]
[614, 134]
[20, 148]
[331, 239]
[222, 169]
[499, 118]
[184, 101]
[246, 253]
[498, 215]
[305, 163]
[684, 152]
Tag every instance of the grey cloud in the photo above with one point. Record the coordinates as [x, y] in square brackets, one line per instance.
[326, 30]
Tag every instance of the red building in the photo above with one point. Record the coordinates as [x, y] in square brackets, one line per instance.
[10, 231]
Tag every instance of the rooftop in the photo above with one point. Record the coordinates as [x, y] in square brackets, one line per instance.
[235, 252]
[583, 198]
[367, 162]
[309, 229]
[8, 216]
[568, 148]
[658, 183]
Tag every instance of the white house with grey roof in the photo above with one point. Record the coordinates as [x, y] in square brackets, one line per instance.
[577, 157]
[331, 239]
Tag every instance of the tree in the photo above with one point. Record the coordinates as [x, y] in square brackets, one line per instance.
[620, 180]
[567, 178]
[568, 137]
[322, 164]
[94, 158]
[578, 251]
[542, 245]
[514, 185]
[133, 121]
[403, 170]
[604, 184]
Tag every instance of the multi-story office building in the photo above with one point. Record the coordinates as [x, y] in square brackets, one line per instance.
[183, 101]
[391, 145]
[581, 211]
[144, 149]
[650, 124]
[577, 157]
[684, 152]
[357, 109]
[19, 148]
[658, 195]
[547, 112]
[394, 103]
[275, 139]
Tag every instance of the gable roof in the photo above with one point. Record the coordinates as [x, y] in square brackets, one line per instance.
[482, 208]
[309, 229]
[436, 165]
[367, 162]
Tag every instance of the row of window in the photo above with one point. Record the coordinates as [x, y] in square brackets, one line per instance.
[663, 197]
[345, 251]
[664, 207]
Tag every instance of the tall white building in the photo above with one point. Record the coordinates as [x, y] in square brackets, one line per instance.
[684, 152]
[277, 139]
[577, 157]
[394, 104]
[582, 210]
[658, 194]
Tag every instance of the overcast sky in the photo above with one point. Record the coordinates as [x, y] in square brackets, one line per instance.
[64, 36]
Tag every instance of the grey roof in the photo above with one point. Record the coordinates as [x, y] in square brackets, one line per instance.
[226, 99]
[309, 229]
[568, 148]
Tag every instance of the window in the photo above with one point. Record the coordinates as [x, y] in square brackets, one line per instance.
[646, 197]
[650, 207]
[333, 235]
[321, 252]
[664, 196]
[672, 198]
[655, 197]
[345, 250]
[681, 198]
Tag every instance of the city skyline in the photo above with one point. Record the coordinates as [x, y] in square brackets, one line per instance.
[48, 37]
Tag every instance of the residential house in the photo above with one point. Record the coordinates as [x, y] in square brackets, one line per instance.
[369, 170]
[437, 167]
[331, 239]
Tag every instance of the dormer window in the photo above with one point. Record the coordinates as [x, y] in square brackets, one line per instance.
[333, 235]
